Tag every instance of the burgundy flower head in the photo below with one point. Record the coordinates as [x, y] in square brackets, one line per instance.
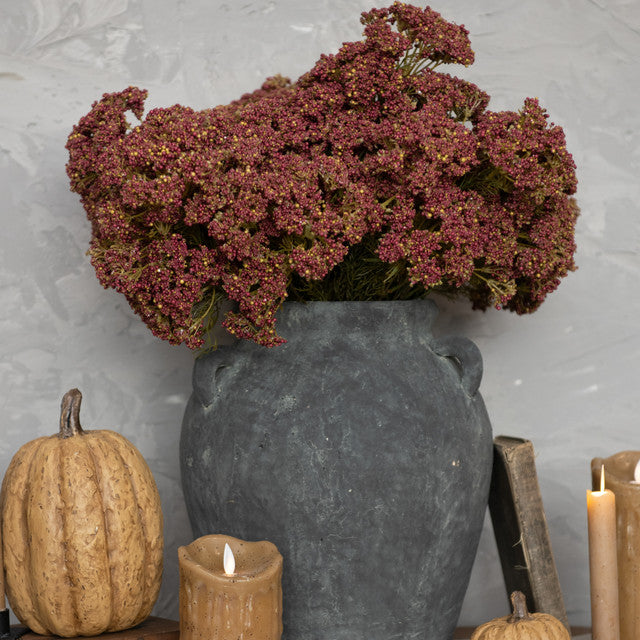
[374, 176]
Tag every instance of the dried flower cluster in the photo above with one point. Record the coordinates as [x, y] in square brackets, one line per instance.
[372, 177]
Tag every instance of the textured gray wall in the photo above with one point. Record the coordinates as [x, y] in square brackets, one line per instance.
[566, 377]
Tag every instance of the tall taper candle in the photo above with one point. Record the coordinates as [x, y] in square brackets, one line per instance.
[603, 563]
[620, 473]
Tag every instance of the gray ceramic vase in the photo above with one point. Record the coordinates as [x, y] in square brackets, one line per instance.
[363, 450]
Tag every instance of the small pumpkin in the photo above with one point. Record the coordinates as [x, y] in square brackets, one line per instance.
[522, 625]
[81, 531]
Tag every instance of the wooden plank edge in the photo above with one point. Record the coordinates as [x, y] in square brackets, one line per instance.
[152, 628]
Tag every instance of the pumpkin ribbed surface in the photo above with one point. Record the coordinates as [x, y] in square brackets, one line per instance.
[522, 625]
[535, 629]
[82, 534]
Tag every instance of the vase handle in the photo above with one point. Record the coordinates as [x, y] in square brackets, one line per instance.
[206, 373]
[466, 357]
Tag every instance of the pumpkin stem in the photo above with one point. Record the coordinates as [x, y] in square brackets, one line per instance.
[70, 414]
[519, 604]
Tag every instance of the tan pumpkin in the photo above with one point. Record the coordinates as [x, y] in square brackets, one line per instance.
[522, 625]
[81, 531]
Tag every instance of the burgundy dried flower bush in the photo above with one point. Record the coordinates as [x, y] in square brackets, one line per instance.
[373, 177]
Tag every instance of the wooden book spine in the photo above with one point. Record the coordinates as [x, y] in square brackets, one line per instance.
[521, 530]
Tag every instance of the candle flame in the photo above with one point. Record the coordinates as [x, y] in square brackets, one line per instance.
[636, 473]
[229, 561]
[602, 478]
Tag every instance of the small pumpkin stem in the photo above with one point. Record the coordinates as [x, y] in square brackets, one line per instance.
[70, 414]
[519, 604]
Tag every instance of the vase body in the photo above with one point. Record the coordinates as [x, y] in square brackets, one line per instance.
[360, 448]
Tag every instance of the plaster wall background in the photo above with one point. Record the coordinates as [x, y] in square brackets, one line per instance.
[566, 377]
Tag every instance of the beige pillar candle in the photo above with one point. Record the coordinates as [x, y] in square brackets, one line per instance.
[241, 602]
[603, 568]
[620, 477]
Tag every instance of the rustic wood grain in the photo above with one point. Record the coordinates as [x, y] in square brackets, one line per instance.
[162, 629]
[520, 528]
[151, 629]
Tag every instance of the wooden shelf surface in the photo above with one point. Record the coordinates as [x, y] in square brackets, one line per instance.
[151, 629]
[163, 629]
